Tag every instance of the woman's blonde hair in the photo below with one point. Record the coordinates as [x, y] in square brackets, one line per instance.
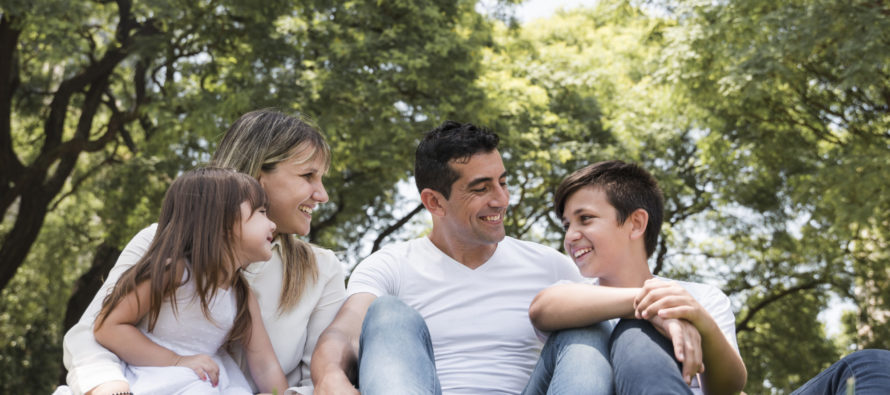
[259, 141]
[195, 241]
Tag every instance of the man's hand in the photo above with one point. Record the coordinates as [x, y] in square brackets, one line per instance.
[687, 344]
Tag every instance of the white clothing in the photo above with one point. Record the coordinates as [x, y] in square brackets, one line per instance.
[717, 304]
[293, 333]
[478, 319]
[711, 298]
[189, 332]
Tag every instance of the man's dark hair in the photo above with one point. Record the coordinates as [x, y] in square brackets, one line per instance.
[451, 141]
[628, 187]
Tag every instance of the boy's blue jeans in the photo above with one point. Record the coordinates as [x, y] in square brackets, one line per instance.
[396, 356]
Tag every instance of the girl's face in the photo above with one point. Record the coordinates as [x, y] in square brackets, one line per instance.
[294, 190]
[255, 234]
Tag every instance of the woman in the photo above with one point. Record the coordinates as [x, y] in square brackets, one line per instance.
[299, 290]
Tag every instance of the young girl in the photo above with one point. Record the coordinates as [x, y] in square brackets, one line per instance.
[170, 315]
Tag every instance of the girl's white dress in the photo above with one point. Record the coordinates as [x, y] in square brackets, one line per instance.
[189, 332]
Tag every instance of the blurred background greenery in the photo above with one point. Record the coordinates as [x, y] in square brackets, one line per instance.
[766, 121]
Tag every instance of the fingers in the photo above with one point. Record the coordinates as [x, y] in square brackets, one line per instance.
[203, 365]
[692, 364]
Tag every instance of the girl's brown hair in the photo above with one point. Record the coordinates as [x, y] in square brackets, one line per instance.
[195, 241]
[258, 141]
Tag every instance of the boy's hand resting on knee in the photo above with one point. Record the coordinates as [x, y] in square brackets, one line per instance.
[668, 300]
[203, 365]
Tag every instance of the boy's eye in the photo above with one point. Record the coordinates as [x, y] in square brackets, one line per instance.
[565, 226]
[479, 190]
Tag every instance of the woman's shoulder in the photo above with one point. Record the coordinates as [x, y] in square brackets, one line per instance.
[326, 260]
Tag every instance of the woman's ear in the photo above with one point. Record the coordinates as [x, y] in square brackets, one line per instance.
[432, 200]
[638, 220]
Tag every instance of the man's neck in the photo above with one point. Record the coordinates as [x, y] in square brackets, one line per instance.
[471, 256]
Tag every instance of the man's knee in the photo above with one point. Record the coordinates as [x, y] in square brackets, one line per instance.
[390, 313]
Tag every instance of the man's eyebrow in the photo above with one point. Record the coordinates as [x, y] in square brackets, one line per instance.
[482, 180]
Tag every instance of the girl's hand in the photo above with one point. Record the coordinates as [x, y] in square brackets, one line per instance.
[203, 365]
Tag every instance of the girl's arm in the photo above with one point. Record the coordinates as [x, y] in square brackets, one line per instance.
[120, 335]
[264, 366]
[577, 305]
[725, 371]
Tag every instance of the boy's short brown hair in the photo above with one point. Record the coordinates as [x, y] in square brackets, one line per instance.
[628, 187]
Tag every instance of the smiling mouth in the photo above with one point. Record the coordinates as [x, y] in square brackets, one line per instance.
[577, 254]
[306, 209]
[491, 218]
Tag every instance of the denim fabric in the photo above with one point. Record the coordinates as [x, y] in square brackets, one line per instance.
[869, 368]
[395, 351]
[574, 361]
[643, 361]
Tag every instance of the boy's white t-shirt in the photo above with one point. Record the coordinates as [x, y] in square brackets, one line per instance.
[482, 338]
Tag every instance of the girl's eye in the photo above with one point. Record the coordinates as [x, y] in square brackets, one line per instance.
[565, 226]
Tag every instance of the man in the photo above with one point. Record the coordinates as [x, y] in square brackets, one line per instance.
[448, 313]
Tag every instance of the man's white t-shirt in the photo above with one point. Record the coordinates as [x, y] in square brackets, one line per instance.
[478, 319]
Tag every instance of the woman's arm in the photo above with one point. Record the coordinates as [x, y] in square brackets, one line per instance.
[89, 364]
[264, 366]
[332, 296]
[577, 305]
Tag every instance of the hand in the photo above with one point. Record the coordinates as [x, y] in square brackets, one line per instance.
[335, 384]
[667, 299]
[109, 387]
[687, 344]
[203, 365]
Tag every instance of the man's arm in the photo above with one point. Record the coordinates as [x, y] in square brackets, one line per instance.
[725, 371]
[336, 353]
[577, 305]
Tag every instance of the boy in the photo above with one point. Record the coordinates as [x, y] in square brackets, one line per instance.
[612, 213]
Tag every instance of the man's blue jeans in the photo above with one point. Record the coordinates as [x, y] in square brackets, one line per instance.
[869, 368]
[396, 356]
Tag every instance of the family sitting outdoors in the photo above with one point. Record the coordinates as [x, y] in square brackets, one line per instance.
[221, 296]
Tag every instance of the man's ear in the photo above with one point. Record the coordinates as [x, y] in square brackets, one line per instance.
[638, 221]
[433, 200]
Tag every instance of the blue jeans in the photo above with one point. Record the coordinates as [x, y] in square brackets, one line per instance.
[396, 356]
[574, 361]
[643, 360]
[395, 351]
[869, 368]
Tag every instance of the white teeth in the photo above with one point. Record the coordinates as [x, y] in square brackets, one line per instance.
[491, 218]
[582, 252]
[306, 209]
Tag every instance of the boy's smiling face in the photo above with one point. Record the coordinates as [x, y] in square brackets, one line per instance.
[594, 239]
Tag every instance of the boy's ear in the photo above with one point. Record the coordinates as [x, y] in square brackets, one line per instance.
[432, 200]
[638, 220]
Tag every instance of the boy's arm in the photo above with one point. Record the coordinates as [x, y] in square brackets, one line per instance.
[336, 353]
[577, 305]
[725, 371]
[264, 365]
[119, 334]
